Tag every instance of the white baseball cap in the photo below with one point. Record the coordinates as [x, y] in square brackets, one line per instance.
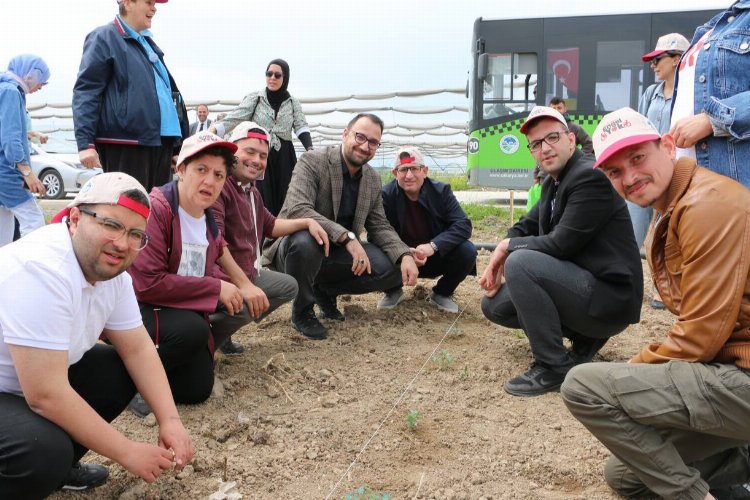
[540, 112]
[618, 130]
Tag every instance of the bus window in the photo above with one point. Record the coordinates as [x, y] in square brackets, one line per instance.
[619, 74]
[563, 73]
[508, 84]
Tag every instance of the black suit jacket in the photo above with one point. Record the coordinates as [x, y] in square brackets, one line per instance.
[590, 226]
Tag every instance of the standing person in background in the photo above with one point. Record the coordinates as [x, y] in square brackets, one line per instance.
[711, 112]
[26, 74]
[127, 111]
[582, 138]
[202, 123]
[656, 105]
[274, 109]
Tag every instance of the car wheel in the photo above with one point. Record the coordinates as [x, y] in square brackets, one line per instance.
[52, 180]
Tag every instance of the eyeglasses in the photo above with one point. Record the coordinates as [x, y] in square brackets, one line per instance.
[658, 58]
[362, 138]
[551, 138]
[275, 74]
[114, 230]
[404, 170]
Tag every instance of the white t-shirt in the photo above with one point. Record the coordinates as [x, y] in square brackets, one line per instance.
[684, 101]
[45, 301]
[194, 245]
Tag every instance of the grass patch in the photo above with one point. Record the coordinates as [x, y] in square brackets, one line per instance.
[478, 213]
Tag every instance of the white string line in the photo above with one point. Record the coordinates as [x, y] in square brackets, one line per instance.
[393, 408]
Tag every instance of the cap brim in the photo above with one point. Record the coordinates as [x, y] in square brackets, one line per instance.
[624, 143]
[652, 54]
[222, 144]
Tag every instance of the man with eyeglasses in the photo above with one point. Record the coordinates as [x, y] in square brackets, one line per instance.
[675, 415]
[427, 217]
[337, 188]
[64, 287]
[571, 266]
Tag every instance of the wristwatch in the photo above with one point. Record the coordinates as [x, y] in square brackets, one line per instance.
[434, 246]
[350, 236]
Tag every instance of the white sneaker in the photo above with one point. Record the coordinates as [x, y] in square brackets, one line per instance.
[391, 299]
[443, 303]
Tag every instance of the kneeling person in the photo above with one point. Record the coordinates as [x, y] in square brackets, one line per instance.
[675, 415]
[571, 265]
[59, 387]
[245, 222]
[427, 217]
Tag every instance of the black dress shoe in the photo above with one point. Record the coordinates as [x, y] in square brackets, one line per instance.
[308, 325]
[230, 347]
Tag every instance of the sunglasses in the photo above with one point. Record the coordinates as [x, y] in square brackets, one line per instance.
[658, 58]
[275, 74]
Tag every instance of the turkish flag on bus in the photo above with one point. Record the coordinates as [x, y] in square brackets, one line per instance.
[564, 65]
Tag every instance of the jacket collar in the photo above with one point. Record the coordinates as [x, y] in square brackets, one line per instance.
[171, 194]
[684, 170]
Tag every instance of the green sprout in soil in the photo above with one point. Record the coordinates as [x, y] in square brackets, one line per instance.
[463, 375]
[443, 360]
[412, 420]
[367, 493]
[456, 331]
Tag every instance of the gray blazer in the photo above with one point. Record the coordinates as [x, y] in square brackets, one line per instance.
[194, 126]
[315, 192]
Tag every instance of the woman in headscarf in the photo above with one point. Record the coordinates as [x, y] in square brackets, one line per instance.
[274, 109]
[26, 74]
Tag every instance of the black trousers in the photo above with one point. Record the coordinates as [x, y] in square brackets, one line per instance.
[36, 454]
[150, 165]
[181, 338]
[299, 255]
[452, 267]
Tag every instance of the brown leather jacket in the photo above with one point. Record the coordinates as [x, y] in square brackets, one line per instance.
[700, 259]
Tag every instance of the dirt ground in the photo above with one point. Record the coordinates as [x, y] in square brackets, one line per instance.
[289, 417]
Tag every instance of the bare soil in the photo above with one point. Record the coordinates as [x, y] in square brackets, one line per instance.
[289, 417]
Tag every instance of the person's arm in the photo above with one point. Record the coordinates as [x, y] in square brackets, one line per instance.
[715, 263]
[459, 226]
[301, 129]
[12, 142]
[256, 299]
[284, 227]
[379, 230]
[241, 113]
[94, 74]
[43, 375]
[145, 368]
[492, 277]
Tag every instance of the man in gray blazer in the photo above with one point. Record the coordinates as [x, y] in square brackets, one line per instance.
[203, 122]
[336, 187]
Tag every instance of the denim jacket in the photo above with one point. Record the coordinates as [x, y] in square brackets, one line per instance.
[722, 91]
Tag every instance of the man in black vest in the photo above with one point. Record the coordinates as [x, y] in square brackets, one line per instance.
[571, 265]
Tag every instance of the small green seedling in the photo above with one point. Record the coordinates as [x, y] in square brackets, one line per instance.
[463, 375]
[412, 420]
[367, 493]
[443, 360]
[456, 331]
[519, 334]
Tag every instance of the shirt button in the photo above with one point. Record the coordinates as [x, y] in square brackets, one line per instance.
[707, 46]
[704, 146]
[702, 78]
[730, 19]
[744, 45]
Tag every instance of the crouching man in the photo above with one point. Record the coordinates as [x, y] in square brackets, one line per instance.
[571, 266]
[62, 286]
[675, 416]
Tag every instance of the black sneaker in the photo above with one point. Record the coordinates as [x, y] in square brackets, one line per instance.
[308, 325]
[85, 476]
[230, 347]
[583, 349]
[327, 305]
[536, 381]
[138, 406]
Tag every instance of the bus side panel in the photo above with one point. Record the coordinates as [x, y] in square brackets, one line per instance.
[498, 156]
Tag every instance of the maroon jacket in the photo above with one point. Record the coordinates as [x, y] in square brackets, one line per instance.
[154, 271]
[234, 217]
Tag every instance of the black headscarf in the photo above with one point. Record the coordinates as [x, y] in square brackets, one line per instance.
[276, 97]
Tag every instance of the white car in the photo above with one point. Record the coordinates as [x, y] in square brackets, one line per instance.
[56, 164]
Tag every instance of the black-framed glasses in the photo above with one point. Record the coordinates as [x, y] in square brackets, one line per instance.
[403, 170]
[114, 230]
[551, 138]
[275, 74]
[658, 58]
[361, 138]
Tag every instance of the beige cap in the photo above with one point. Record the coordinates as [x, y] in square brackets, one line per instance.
[415, 157]
[200, 141]
[620, 129]
[673, 42]
[107, 189]
[242, 131]
[542, 112]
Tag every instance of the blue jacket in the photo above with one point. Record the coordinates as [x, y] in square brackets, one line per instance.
[14, 146]
[722, 91]
[449, 225]
[114, 97]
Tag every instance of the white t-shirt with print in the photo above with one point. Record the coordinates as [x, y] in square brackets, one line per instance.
[194, 245]
[46, 302]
